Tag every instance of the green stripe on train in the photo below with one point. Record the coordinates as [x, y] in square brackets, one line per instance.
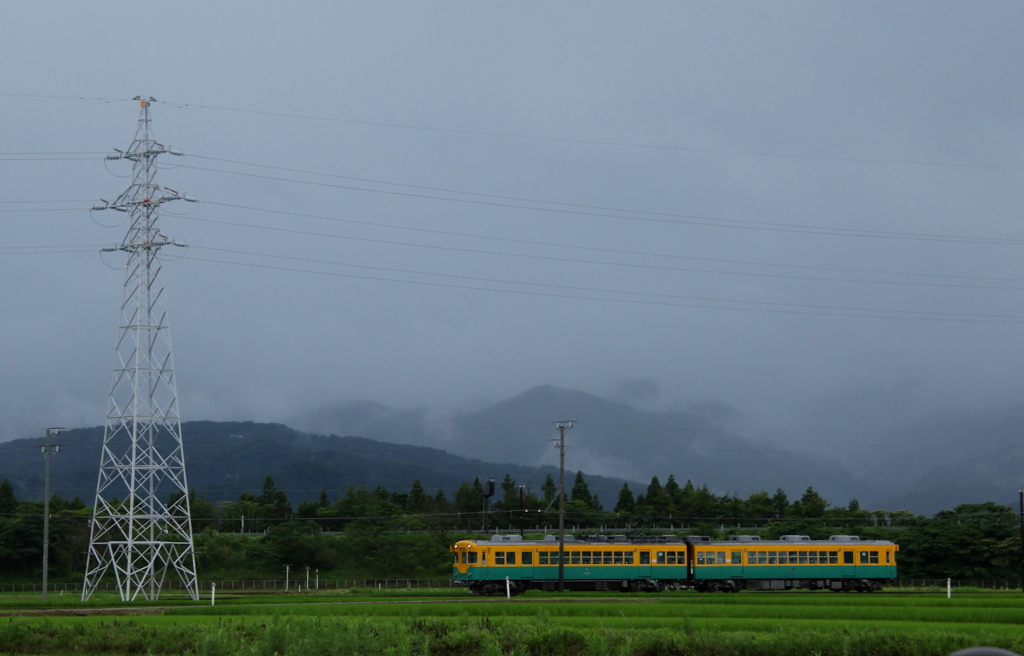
[714, 572]
[575, 572]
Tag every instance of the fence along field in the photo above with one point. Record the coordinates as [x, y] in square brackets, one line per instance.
[450, 621]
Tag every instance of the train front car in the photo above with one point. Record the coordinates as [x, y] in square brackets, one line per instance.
[502, 565]
[843, 563]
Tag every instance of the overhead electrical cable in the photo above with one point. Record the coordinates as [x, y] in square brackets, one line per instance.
[766, 307]
[27, 202]
[43, 209]
[694, 220]
[563, 259]
[89, 99]
[596, 142]
[616, 251]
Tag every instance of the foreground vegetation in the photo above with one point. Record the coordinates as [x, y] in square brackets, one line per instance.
[451, 623]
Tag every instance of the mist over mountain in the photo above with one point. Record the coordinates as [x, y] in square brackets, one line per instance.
[875, 445]
[610, 438]
[900, 460]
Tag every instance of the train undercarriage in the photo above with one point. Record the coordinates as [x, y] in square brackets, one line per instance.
[657, 585]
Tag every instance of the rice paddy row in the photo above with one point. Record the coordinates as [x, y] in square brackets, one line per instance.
[455, 623]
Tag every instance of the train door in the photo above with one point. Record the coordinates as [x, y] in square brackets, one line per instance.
[643, 568]
[849, 568]
[736, 562]
[525, 569]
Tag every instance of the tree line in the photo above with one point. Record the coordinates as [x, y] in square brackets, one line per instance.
[385, 533]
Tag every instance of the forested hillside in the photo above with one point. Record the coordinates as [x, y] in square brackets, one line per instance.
[225, 459]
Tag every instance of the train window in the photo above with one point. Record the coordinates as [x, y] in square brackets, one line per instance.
[472, 558]
[499, 557]
[464, 557]
[833, 557]
[751, 557]
[629, 557]
[772, 558]
[510, 558]
[543, 558]
[792, 558]
[618, 557]
[874, 558]
[782, 558]
[483, 559]
[847, 557]
[887, 557]
[456, 559]
[762, 557]
[575, 558]
[721, 557]
[736, 558]
[607, 558]
[803, 558]
[812, 558]
[709, 558]
[645, 557]
[586, 558]
[527, 557]
[660, 559]
[863, 558]
[671, 558]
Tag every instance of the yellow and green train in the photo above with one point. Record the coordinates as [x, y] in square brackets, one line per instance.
[842, 563]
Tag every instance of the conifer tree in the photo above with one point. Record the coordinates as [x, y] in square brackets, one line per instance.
[8, 502]
[549, 489]
[627, 503]
[581, 491]
[417, 499]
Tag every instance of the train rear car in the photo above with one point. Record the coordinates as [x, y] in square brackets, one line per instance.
[841, 563]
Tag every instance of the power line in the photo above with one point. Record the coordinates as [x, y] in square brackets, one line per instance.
[617, 251]
[44, 209]
[576, 260]
[685, 219]
[587, 289]
[840, 312]
[25, 202]
[89, 99]
[542, 138]
[594, 142]
[604, 262]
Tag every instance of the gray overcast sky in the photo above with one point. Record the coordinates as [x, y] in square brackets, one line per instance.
[768, 136]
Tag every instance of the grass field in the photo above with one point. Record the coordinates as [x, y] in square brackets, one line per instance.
[452, 622]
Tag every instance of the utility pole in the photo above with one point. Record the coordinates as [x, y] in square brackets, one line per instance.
[562, 426]
[141, 524]
[487, 493]
[522, 490]
[48, 450]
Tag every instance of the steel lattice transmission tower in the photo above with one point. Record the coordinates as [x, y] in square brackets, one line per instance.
[141, 524]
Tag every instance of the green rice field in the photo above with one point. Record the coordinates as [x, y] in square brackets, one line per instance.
[453, 622]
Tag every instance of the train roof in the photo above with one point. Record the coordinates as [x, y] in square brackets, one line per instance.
[788, 541]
